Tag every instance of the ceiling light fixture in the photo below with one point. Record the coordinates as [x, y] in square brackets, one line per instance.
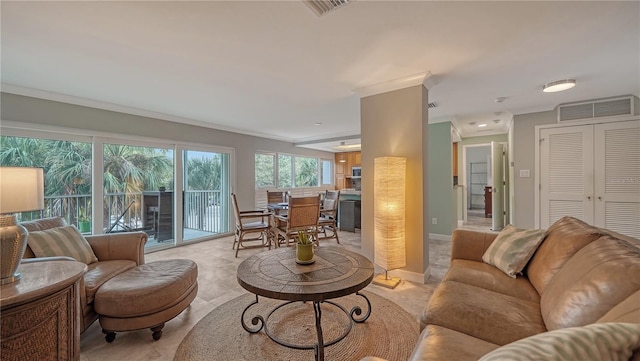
[482, 125]
[318, 123]
[559, 85]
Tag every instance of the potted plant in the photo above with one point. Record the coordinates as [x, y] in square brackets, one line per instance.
[304, 248]
[84, 221]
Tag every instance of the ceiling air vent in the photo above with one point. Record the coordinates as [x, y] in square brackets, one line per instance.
[432, 105]
[320, 7]
[595, 109]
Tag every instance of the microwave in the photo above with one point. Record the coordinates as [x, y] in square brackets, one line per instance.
[356, 172]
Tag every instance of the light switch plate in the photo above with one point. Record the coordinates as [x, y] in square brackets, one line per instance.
[524, 173]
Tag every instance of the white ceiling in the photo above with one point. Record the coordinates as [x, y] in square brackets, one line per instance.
[274, 69]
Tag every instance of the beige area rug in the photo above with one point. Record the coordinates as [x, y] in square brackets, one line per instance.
[389, 332]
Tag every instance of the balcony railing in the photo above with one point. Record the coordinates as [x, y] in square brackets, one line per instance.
[123, 211]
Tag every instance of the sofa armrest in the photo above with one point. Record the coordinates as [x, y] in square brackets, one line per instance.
[119, 246]
[470, 245]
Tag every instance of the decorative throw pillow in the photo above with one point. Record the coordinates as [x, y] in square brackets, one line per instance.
[61, 241]
[597, 341]
[513, 248]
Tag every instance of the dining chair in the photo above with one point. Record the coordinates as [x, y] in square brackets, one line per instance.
[329, 216]
[277, 197]
[303, 215]
[256, 222]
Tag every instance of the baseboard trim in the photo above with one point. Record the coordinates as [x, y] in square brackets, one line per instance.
[440, 237]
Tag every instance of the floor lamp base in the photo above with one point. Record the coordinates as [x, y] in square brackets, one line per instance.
[386, 281]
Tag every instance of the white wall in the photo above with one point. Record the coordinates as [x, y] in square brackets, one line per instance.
[524, 159]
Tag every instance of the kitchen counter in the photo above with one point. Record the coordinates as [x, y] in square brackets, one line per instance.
[349, 191]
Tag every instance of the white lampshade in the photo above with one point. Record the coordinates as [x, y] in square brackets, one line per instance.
[389, 211]
[21, 189]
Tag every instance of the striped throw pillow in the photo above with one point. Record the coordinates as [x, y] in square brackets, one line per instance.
[61, 241]
[597, 342]
[512, 249]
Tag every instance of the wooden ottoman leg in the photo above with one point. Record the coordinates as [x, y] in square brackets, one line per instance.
[110, 335]
[157, 331]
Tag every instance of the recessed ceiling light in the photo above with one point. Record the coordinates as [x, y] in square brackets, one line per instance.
[496, 121]
[559, 85]
[318, 123]
[472, 123]
[482, 125]
[500, 99]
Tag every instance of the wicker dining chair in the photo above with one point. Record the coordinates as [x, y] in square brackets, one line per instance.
[277, 197]
[303, 215]
[256, 222]
[329, 216]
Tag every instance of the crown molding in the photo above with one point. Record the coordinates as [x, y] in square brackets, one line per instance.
[426, 79]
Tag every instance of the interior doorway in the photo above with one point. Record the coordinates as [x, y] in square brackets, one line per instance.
[477, 180]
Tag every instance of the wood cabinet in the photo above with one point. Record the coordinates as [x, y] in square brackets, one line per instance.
[40, 315]
[343, 169]
[455, 159]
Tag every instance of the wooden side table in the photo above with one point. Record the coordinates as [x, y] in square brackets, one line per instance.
[40, 314]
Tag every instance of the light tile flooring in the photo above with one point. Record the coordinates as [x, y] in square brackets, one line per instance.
[217, 285]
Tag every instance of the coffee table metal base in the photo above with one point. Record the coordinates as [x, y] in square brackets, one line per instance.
[354, 315]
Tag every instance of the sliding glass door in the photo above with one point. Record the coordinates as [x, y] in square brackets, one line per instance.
[205, 194]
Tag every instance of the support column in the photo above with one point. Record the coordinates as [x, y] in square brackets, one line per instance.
[395, 123]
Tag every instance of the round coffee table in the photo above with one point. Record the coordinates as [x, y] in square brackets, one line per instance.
[275, 274]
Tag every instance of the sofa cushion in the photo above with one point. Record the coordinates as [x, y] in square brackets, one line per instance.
[512, 249]
[601, 341]
[440, 343]
[598, 277]
[483, 314]
[61, 241]
[564, 238]
[100, 272]
[488, 277]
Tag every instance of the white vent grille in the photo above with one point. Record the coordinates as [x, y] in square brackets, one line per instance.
[320, 7]
[595, 109]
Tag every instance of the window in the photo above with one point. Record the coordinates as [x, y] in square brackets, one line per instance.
[327, 178]
[265, 168]
[291, 171]
[306, 172]
[285, 163]
[67, 171]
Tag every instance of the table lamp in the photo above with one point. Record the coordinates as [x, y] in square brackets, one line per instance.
[21, 190]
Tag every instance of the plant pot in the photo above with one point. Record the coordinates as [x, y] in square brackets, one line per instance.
[84, 226]
[304, 253]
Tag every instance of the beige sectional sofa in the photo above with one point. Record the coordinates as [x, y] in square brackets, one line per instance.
[579, 275]
[116, 253]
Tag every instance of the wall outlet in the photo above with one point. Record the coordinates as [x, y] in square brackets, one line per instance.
[434, 220]
[524, 173]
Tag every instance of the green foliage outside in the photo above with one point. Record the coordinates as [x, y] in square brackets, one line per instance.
[265, 170]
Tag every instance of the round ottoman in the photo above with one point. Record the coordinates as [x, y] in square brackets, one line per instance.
[146, 296]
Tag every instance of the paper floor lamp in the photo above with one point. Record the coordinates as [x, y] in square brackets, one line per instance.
[389, 217]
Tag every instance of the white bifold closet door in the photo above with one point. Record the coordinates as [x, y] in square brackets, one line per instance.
[592, 172]
[617, 181]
